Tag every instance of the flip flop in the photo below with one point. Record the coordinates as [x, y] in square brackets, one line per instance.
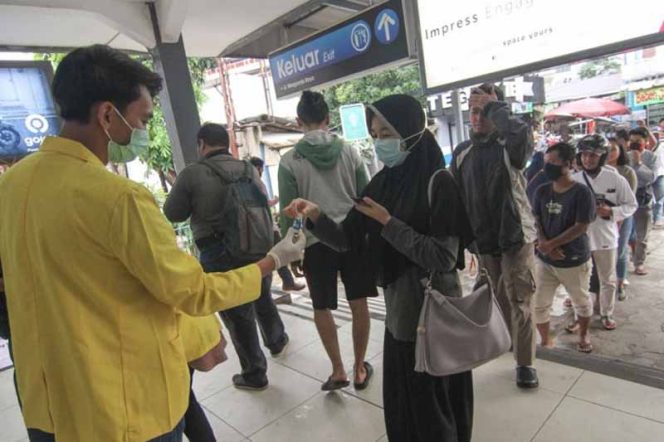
[572, 327]
[585, 347]
[331, 385]
[364, 384]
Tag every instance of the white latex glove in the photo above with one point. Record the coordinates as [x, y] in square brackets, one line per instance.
[288, 249]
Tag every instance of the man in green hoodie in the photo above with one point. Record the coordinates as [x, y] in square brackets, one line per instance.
[323, 168]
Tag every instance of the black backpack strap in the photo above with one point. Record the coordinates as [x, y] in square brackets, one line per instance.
[585, 178]
[225, 176]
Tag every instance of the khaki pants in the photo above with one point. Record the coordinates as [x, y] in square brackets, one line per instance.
[575, 280]
[512, 276]
[605, 265]
[642, 225]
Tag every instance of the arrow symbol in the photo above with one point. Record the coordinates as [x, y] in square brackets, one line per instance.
[385, 22]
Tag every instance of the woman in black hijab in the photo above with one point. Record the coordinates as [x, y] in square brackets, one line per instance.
[403, 239]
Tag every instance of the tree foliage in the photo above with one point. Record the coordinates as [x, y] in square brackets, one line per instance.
[159, 156]
[403, 80]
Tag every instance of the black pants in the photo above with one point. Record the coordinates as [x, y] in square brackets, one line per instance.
[196, 425]
[420, 407]
[241, 321]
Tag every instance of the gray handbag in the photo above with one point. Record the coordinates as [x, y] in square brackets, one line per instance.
[457, 334]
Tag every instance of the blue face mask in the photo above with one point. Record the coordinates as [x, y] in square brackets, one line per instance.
[389, 152]
[138, 144]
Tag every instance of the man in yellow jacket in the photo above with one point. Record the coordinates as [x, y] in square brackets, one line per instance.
[93, 276]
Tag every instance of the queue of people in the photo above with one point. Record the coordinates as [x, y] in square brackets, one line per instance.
[110, 320]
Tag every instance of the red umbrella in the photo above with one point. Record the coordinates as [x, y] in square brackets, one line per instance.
[589, 107]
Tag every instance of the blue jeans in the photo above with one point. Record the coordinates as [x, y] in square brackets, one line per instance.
[623, 248]
[658, 190]
[172, 436]
[241, 321]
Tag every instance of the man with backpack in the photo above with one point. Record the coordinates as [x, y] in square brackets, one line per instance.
[232, 227]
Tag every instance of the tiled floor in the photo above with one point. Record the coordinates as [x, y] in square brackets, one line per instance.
[571, 405]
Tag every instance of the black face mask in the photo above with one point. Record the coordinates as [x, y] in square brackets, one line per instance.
[635, 146]
[553, 171]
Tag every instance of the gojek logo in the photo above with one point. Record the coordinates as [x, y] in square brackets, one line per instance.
[36, 124]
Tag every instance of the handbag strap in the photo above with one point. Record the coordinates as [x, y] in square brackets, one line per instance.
[430, 199]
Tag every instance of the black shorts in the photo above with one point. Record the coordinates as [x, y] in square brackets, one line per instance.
[322, 265]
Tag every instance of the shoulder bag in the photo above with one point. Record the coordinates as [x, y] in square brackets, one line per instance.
[457, 334]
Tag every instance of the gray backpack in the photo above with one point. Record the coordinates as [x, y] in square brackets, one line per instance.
[247, 234]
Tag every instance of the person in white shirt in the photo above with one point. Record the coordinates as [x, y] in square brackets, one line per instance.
[658, 185]
[615, 202]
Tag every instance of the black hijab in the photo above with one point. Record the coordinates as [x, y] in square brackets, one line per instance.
[402, 190]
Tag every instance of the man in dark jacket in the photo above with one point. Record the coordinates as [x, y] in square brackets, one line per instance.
[489, 169]
[199, 194]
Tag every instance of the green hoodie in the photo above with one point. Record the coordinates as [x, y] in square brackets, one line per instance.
[321, 149]
[324, 169]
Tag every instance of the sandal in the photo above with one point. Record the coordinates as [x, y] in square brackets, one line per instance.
[331, 384]
[364, 384]
[608, 323]
[584, 347]
[641, 271]
[572, 327]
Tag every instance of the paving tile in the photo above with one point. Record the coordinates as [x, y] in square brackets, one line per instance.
[209, 383]
[506, 413]
[621, 395]
[223, 431]
[327, 417]
[7, 391]
[12, 428]
[554, 377]
[374, 392]
[301, 332]
[312, 360]
[249, 411]
[576, 420]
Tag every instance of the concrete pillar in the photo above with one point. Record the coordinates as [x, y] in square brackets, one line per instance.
[177, 98]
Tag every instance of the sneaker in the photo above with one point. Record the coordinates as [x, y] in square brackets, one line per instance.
[294, 287]
[281, 350]
[241, 383]
[526, 377]
[622, 293]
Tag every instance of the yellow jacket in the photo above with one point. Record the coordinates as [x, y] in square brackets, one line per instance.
[199, 335]
[94, 279]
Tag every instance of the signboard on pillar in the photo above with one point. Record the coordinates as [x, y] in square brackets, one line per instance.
[354, 122]
[471, 41]
[373, 39]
